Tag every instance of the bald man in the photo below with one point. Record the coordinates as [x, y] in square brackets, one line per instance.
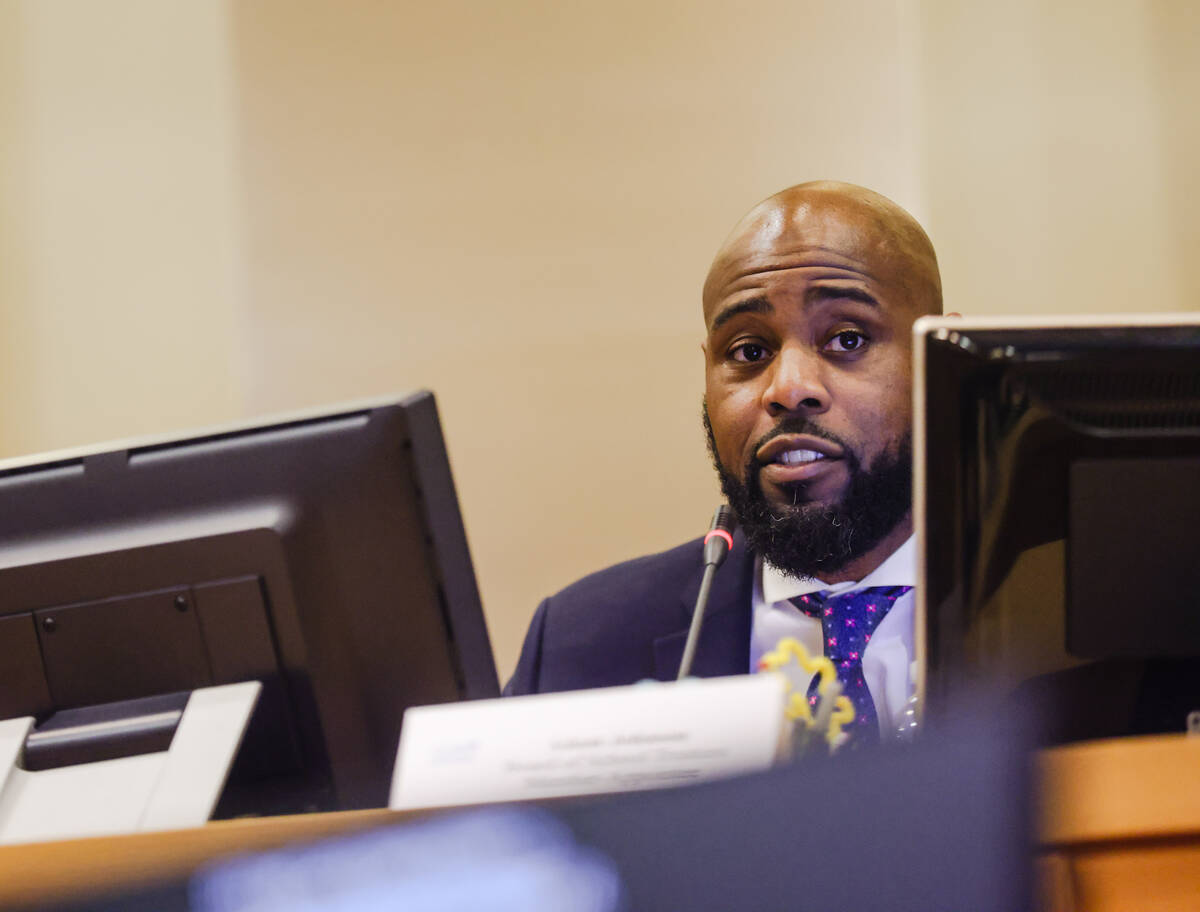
[808, 308]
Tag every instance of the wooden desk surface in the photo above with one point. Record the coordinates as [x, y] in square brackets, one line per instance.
[1119, 822]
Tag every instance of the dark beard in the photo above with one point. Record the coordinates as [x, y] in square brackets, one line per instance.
[806, 539]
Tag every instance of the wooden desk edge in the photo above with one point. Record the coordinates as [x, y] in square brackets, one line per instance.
[40, 872]
[1119, 789]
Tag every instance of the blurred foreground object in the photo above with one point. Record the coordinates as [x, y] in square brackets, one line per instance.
[505, 860]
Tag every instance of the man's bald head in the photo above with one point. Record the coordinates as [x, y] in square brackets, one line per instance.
[850, 222]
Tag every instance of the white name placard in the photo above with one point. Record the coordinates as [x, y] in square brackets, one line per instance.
[612, 739]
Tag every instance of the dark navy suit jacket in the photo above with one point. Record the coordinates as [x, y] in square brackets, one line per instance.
[630, 622]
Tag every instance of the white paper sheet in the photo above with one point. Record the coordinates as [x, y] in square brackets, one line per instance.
[612, 739]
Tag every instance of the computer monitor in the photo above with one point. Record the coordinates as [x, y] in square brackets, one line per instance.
[321, 553]
[1057, 506]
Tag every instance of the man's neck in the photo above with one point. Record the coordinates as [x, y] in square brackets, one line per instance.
[860, 567]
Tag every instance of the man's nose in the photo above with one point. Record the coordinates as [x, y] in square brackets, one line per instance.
[795, 383]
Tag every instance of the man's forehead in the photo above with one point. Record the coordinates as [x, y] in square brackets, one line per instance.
[800, 232]
[851, 230]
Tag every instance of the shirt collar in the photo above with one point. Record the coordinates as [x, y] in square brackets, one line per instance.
[900, 569]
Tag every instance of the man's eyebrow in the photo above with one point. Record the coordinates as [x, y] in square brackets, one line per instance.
[819, 293]
[750, 305]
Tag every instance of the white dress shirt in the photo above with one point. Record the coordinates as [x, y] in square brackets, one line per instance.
[887, 660]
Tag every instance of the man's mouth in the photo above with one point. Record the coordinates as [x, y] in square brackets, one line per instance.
[797, 458]
[795, 449]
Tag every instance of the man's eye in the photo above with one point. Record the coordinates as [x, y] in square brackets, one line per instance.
[749, 352]
[848, 340]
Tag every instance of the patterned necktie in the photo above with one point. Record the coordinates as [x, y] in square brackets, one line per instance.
[847, 622]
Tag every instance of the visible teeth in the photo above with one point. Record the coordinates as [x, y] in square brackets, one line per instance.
[797, 457]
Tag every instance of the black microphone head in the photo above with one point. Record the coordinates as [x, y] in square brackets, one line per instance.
[724, 519]
[719, 539]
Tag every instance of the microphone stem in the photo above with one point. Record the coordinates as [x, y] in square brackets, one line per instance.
[693, 637]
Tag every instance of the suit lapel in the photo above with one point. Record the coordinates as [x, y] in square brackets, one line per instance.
[724, 647]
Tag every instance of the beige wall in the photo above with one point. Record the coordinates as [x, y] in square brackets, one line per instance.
[1054, 137]
[119, 238]
[216, 209]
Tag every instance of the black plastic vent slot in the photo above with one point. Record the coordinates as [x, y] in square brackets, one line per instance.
[1120, 399]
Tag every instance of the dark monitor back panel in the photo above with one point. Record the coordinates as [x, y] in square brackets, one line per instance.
[324, 555]
[1058, 489]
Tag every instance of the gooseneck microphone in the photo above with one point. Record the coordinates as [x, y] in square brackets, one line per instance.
[717, 544]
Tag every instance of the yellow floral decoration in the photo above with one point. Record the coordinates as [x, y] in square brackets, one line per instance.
[788, 650]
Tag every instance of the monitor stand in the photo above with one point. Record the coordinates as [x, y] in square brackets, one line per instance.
[78, 778]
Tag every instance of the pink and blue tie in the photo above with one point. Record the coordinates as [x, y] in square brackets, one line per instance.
[847, 623]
